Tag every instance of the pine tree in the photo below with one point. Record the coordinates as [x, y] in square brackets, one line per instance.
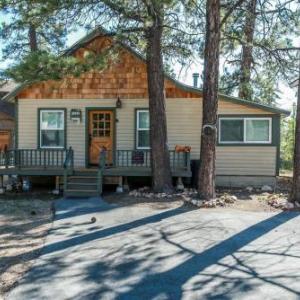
[206, 184]
[257, 44]
[295, 193]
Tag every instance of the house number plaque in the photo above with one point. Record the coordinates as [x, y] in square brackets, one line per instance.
[75, 115]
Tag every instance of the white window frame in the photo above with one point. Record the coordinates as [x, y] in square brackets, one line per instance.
[138, 111]
[245, 119]
[41, 129]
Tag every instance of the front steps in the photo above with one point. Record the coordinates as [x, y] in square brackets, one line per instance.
[82, 184]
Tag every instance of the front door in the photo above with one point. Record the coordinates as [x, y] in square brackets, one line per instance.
[101, 133]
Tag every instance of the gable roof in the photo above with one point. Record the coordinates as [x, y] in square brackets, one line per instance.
[100, 31]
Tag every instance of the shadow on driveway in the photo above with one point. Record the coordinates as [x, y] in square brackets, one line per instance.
[121, 261]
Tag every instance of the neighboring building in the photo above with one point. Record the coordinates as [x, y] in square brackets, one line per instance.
[110, 109]
[7, 116]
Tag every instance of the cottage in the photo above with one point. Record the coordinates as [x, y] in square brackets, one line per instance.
[62, 126]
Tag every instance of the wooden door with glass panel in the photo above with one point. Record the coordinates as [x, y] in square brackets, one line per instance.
[101, 133]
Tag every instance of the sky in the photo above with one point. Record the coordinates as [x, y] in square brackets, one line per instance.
[287, 94]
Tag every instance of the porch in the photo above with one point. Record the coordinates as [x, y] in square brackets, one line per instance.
[58, 162]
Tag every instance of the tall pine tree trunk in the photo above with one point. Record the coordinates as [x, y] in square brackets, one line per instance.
[160, 159]
[245, 90]
[32, 38]
[206, 183]
[295, 194]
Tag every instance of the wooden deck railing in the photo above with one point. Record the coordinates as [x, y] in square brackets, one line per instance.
[64, 159]
[34, 158]
[142, 158]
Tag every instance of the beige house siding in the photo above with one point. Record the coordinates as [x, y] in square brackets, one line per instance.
[184, 119]
[249, 161]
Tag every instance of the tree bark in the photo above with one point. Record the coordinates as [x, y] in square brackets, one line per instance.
[206, 182]
[160, 158]
[245, 90]
[32, 38]
[295, 193]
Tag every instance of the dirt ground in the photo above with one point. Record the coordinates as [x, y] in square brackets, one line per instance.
[246, 201]
[24, 222]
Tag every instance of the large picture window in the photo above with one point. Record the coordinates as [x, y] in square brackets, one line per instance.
[52, 128]
[142, 129]
[245, 130]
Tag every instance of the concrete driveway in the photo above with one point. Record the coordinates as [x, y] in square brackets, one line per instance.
[142, 252]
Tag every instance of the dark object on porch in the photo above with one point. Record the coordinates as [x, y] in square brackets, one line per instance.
[137, 158]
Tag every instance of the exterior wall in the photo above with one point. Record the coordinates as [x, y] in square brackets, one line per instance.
[184, 122]
[244, 181]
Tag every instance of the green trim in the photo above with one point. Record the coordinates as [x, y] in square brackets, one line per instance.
[87, 110]
[16, 124]
[135, 126]
[141, 172]
[100, 31]
[276, 136]
[39, 124]
[274, 142]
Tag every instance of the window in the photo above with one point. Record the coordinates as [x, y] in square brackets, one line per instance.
[52, 128]
[245, 130]
[142, 129]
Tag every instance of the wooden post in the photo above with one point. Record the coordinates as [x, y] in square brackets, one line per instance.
[125, 185]
[120, 185]
[179, 185]
[56, 190]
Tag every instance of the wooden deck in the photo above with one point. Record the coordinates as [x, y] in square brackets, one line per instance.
[132, 163]
[109, 171]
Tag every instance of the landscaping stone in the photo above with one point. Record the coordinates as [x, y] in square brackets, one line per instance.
[249, 189]
[266, 188]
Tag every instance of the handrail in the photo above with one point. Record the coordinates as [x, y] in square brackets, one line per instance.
[69, 160]
[101, 166]
[68, 166]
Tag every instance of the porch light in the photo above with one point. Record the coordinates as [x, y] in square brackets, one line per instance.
[119, 103]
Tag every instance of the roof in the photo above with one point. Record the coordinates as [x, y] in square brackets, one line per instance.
[100, 31]
[294, 83]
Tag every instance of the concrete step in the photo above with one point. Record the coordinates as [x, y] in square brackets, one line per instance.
[90, 173]
[82, 179]
[80, 193]
[82, 186]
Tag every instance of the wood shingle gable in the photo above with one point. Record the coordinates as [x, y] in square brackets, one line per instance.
[126, 77]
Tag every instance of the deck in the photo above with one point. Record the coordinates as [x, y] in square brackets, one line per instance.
[53, 162]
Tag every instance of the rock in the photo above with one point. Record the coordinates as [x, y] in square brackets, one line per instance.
[199, 203]
[226, 198]
[266, 188]
[249, 189]
[119, 189]
[55, 192]
[186, 198]
[289, 205]
[194, 201]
